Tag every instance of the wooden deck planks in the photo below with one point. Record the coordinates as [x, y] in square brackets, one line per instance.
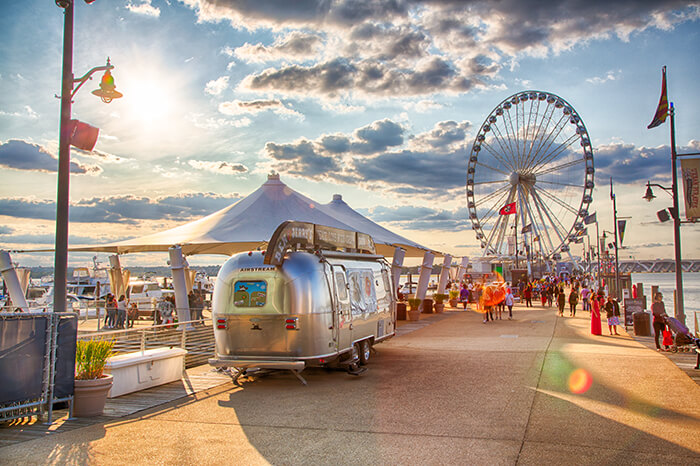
[195, 380]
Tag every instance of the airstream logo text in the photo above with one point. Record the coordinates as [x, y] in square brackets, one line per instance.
[256, 269]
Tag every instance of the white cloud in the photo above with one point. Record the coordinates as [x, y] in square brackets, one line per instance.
[220, 167]
[217, 86]
[240, 107]
[27, 113]
[609, 76]
[145, 8]
[424, 106]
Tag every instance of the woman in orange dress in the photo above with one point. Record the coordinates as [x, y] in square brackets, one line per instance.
[596, 328]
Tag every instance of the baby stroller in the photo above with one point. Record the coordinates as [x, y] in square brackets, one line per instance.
[684, 340]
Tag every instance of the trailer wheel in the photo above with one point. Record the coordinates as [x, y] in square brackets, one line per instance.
[365, 350]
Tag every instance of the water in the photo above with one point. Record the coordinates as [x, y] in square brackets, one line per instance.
[667, 284]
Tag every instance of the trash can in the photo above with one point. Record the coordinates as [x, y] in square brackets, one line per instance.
[400, 311]
[642, 324]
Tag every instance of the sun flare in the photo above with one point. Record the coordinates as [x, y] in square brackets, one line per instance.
[148, 103]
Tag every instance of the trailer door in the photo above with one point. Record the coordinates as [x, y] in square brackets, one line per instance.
[342, 315]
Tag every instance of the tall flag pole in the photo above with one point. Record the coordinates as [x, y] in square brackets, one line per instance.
[662, 111]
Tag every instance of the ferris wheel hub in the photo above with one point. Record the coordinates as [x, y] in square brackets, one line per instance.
[523, 179]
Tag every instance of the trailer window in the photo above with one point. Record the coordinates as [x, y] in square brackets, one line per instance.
[341, 285]
[249, 293]
[363, 297]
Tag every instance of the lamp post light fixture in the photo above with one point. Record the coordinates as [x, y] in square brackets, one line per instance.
[67, 127]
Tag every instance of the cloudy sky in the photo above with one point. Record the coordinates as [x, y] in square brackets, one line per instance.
[379, 101]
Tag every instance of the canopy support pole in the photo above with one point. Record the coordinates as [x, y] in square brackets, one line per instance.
[462, 268]
[444, 274]
[426, 269]
[396, 264]
[9, 275]
[116, 277]
[177, 265]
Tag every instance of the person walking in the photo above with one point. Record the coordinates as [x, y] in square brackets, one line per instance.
[111, 308]
[613, 320]
[464, 295]
[121, 311]
[658, 310]
[528, 295]
[133, 314]
[509, 301]
[585, 302]
[596, 327]
[166, 310]
[192, 303]
[561, 301]
[573, 302]
[543, 294]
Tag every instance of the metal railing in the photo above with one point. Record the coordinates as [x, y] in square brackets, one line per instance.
[195, 336]
[41, 404]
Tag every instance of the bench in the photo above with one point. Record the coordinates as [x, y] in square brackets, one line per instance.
[144, 369]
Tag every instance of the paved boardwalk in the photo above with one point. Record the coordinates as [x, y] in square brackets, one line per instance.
[456, 391]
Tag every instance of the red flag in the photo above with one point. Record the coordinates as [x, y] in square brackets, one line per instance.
[662, 109]
[507, 209]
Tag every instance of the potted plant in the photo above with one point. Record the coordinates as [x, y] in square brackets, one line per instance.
[439, 302]
[454, 298]
[414, 311]
[91, 385]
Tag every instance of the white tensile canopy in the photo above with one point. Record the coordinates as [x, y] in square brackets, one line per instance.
[249, 223]
[339, 209]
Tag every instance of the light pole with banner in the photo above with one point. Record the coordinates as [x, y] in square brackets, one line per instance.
[70, 132]
[663, 110]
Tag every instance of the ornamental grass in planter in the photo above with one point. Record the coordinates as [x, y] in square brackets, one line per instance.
[439, 302]
[454, 298]
[91, 385]
[414, 311]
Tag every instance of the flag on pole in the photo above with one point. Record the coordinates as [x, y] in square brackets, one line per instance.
[662, 109]
[507, 209]
[527, 228]
[583, 232]
[588, 219]
[621, 224]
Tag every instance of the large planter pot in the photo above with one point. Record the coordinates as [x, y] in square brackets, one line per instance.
[400, 311]
[413, 314]
[90, 396]
[453, 302]
[439, 307]
[427, 306]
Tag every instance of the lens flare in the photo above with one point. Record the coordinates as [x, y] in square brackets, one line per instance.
[580, 381]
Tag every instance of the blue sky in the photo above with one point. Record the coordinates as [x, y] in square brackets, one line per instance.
[378, 101]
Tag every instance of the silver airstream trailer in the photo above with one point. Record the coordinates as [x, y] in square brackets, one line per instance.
[319, 296]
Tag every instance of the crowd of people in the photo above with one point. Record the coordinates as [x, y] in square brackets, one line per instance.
[550, 291]
[121, 314]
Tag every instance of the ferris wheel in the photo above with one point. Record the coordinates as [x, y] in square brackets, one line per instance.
[530, 177]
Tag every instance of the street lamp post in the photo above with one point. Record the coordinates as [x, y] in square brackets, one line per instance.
[617, 263]
[679, 312]
[617, 271]
[66, 130]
